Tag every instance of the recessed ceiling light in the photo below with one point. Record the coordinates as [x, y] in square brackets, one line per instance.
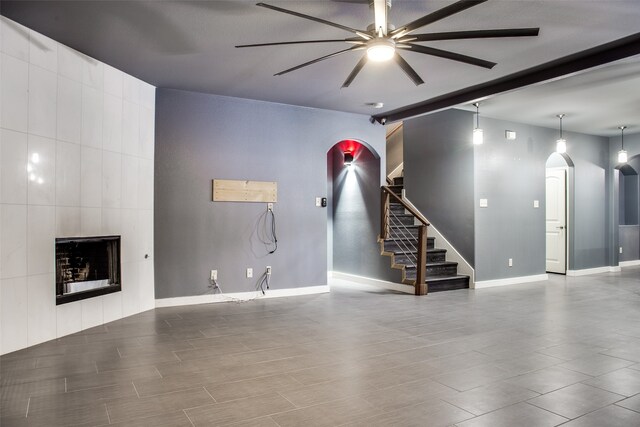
[375, 104]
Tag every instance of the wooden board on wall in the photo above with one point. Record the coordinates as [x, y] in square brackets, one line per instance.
[226, 190]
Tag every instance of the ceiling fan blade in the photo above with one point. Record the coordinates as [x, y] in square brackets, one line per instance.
[355, 71]
[294, 42]
[380, 16]
[312, 18]
[409, 71]
[475, 34]
[322, 58]
[449, 55]
[439, 14]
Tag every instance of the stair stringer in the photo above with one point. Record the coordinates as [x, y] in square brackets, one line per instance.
[452, 254]
[393, 263]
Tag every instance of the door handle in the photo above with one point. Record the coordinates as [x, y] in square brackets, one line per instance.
[561, 227]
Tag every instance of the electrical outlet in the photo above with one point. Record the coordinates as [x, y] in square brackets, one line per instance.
[510, 262]
[620, 249]
[269, 206]
[249, 273]
[268, 269]
[214, 274]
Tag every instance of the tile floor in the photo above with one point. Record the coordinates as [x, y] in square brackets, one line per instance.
[565, 351]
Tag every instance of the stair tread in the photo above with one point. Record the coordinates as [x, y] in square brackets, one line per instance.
[436, 264]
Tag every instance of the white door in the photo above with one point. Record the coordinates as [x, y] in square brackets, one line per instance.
[556, 205]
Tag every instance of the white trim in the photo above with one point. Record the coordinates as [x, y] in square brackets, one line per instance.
[631, 263]
[397, 172]
[464, 268]
[408, 289]
[511, 281]
[240, 296]
[596, 270]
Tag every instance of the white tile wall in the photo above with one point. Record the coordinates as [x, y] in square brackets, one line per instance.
[69, 121]
[14, 316]
[42, 102]
[76, 159]
[13, 161]
[41, 319]
[14, 93]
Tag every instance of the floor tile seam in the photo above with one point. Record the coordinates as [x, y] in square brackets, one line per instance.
[209, 384]
[107, 410]
[188, 417]
[617, 357]
[624, 407]
[207, 391]
[600, 407]
[493, 410]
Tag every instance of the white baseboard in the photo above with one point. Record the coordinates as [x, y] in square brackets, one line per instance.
[510, 281]
[596, 270]
[240, 296]
[631, 263]
[408, 289]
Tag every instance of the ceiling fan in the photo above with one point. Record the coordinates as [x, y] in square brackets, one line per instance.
[382, 41]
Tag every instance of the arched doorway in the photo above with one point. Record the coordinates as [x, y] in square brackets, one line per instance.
[558, 230]
[353, 199]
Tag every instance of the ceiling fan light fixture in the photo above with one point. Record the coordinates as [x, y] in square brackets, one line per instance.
[381, 49]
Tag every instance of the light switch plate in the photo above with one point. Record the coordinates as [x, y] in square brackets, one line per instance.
[536, 203]
[318, 201]
[484, 203]
[249, 273]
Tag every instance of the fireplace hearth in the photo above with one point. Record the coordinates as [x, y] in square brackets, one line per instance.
[87, 267]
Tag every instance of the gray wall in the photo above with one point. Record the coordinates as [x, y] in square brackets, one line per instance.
[632, 145]
[629, 242]
[356, 217]
[447, 176]
[200, 137]
[395, 149]
[438, 170]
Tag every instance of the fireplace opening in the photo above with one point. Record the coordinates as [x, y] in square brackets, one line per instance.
[87, 267]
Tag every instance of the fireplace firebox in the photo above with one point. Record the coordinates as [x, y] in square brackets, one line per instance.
[87, 267]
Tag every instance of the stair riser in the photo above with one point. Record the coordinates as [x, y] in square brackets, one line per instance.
[449, 285]
[398, 180]
[395, 247]
[442, 270]
[431, 258]
[402, 219]
[436, 257]
[402, 232]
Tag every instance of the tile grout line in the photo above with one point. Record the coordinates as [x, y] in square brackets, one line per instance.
[207, 391]
[189, 418]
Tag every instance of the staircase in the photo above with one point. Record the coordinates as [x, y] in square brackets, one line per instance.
[401, 242]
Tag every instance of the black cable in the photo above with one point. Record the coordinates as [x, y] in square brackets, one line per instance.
[273, 231]
[263, 281]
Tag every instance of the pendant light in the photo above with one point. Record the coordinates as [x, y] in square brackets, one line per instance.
[561, 143]
[622, 154]
[478, 137]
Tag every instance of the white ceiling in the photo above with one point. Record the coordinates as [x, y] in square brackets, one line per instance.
[595, 101]
[190, 45]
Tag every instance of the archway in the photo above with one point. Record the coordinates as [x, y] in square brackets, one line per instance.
[558, 212]
[353, 199]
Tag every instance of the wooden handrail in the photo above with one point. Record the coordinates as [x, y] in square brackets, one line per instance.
[411, 209]
[421, 255]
